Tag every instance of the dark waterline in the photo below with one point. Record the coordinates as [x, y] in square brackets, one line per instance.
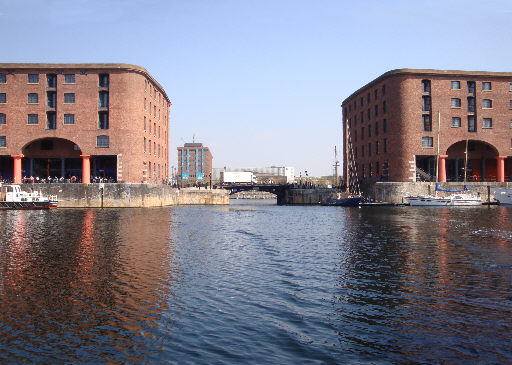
[256, 283]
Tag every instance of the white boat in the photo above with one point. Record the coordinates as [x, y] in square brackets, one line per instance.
[457, 199]
[502, 195]
[12, 197]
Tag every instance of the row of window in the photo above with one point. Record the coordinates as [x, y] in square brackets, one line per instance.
[378, 174]
[369, 129]
[369, 148]
[33, 98]
[456, 85]
[368, 98]
[486, 103]
[69, 119]
[154, 128]
[153, 91]
[101, 141]
[456, 123]
[157, 148]
[51, 79]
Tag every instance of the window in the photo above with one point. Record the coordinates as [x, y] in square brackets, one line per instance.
[385, 147]
[33, 98]
[376, 110]
[427, 142]
[383, 89]
[3, 80]
[102, 120]
[511, 104]
[33, 119]
[377, 147]
[456, 122]
[102, 141]
[487, 103]
[51, 81]
[368, 98]
[154, 129]
[376, 128]
[103, 80]
[471, 104]
[376, 93]
[362, 117]
[69, 118]
[455, 85]
[3, 141]
[385, 125]
[471, 87]
[51, 120]
[144, 124]
[362, 133]
[425, 103]
[427, 123]
[486, 86]
[149, 147]
[69, 98]
[425, 86]
[487, 123]
[103, 99]
[369, 150]
[144, 144]
[3, 119]
[510, 123]
[362, 151]
[456, 103]
[51, 99]
[33, 78]
[150, 126]
[384, 107]
[471, 123]
[510, 83]
[69, 78]
[369, 131]
[362, 101]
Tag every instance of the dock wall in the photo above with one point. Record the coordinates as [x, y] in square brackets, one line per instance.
[127, 195]
[304, 196]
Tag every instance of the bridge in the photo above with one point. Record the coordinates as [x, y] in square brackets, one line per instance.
[286, 193]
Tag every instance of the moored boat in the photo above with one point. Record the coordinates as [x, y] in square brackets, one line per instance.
[456, 198]
[502, 195]
[350, 201]
[12, 197]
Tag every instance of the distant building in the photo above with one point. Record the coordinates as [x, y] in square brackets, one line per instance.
[194, 163]
[82, 121]
[275, 173]
[393, 126]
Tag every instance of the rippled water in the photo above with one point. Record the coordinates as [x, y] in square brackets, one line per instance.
[256, 283]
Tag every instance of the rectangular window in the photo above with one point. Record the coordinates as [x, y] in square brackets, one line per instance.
[102, 120]
[33, 78]
[384, 107]
[425, 103]
[383, 89]
[510, 83]
[425, 86]
[3, 119]
[456, 122]
[376, 93]
[51, 81]
[103, 99]
[487, 123]
[471, 123]
[487, 103]
[510, 104]
[486, 86]
[144, 124]
[69, 98]
[455, 85]
[456, 103]
[427, 123]
[51, 120]
[3, 80]
[362, 133]
[471, 87]
[3, 142]
[362, 117]
[362, 101]
[427, 142]
[385, 125]
[362, 151]
[33, 98]
[150, 126]
[471, 104]
[102, 141]
[33, 119]
[376, 128]
[369, 150]
[369, 131]
[69, 118]
[376, 110]
[51, 99]
[377, 147]
[69, 78]
[368, 98]
[103, 80]
[144, 144]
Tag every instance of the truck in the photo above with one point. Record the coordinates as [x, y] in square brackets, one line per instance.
[239, 177]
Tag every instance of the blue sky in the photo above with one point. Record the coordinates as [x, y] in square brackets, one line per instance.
[261, 81]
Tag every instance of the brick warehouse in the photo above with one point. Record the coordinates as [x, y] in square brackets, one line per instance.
[391, 126]
[83, 120]
[194, 163]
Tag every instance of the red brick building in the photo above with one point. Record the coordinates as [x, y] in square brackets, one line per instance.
[393, 124]
[83, 120]
[194, 163]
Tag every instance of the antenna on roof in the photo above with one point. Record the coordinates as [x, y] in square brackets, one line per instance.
[194, 138]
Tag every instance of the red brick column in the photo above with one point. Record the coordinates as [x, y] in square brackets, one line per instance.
[442, 168]
[17, 168]
[86, 169]
[501, 168]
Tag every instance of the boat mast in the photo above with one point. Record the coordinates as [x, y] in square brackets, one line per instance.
[347, 156]
[336, 163]
[438, 132]
[466, 162]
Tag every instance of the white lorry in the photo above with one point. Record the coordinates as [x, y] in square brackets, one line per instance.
[239, 177]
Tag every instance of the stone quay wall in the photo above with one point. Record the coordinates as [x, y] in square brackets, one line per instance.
[127, 195]
[393, 192]
[305, 196]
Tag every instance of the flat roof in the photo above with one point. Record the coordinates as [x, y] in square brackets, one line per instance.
[428, 72]
[83, 66]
